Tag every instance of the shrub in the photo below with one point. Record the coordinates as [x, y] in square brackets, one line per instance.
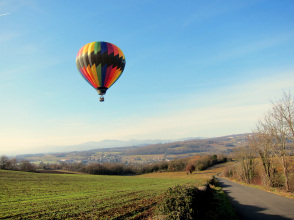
[200, 167]
[291, 183]
[190, 169]
[228, 172]
[185, 202]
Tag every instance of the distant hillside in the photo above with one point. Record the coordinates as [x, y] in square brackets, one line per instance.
[105, 144]
[218, 144]
[139, 153]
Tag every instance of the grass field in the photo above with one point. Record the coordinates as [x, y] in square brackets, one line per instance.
[26, 195]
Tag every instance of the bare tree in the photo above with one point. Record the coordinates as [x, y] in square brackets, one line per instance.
[13, 164]
[261, 141]
[280, 124]
[4, 162]
[274, 136]
[284, 110]
[246, 158]
[25, 165]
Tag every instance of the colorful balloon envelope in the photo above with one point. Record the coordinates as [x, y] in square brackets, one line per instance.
[100, 64]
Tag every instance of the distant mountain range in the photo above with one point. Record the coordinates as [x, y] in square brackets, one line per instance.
[101, 144]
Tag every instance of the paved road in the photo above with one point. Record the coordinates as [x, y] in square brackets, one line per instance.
[251, 203]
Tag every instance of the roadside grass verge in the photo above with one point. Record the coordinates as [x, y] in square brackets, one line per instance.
[223, 207]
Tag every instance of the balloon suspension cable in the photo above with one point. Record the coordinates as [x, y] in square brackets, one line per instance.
[101, 98]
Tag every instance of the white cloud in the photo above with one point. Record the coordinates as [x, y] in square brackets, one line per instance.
[4, 14]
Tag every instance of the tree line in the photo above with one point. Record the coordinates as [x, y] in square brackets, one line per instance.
[266, 159]
[178, 164]
[13, 164]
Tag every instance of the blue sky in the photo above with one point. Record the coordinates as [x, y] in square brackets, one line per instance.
[193, 68]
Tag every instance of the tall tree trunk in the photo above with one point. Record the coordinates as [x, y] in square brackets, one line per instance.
[285, 173]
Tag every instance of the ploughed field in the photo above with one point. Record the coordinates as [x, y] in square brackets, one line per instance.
[26, 195]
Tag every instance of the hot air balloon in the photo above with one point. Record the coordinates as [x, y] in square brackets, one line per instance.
[100, 64]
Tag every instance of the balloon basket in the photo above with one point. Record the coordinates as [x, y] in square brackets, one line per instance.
[101, 99]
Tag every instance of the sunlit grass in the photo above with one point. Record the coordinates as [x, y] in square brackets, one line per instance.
[47, 196]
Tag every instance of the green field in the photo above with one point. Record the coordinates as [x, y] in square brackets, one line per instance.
[26, 195]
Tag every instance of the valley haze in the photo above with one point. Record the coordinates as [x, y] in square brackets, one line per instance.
[91, 145]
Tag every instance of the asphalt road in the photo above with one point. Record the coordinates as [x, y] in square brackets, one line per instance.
[252, 203]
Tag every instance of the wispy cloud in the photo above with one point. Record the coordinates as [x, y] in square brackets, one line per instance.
[10, 74]
[4, 14]
[247, 48]
[222, 111]
[234, 109]
[9, 71]
[17, 109]
[4, 86]
[217, 8]
[257, 45]
[8, 36]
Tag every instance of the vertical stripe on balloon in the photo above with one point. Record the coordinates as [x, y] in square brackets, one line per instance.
[94, 72]
[78, 60]
[98, 70]
[109, 48]
[86, 74]
[92, 67]
[109, 54]
[115, 50]
[103, 47]
[104, 59]
[91, 53]
[97, 47]
[89, 70]
[115, 77]
[97, 53]
[103, 74]
[110, 77]
[87, 65]
[121, 54]
[108, 71]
